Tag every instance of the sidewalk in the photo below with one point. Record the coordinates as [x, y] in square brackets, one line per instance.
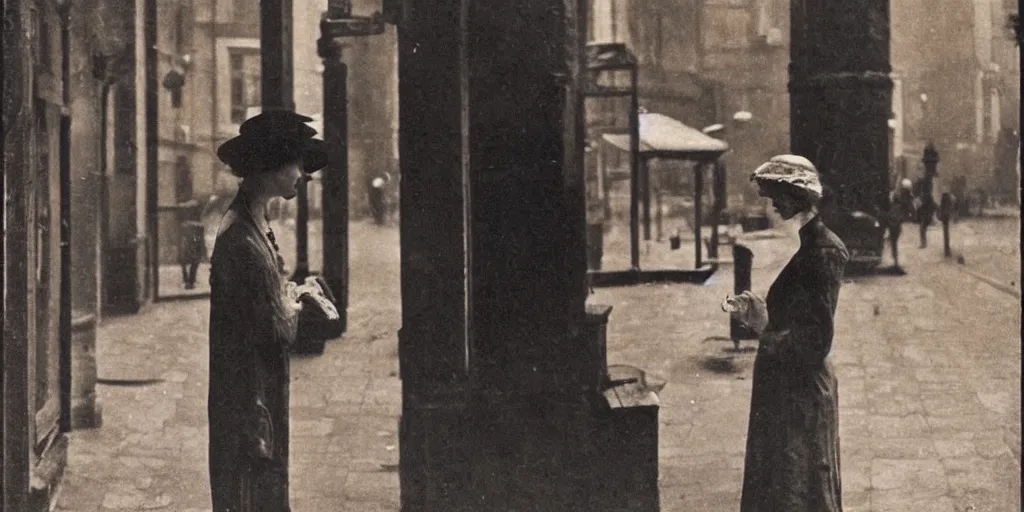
[150, 453]
[929, 373]
[928, 368]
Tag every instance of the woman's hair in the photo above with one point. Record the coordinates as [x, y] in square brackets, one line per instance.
[773, 188]
[287, 156]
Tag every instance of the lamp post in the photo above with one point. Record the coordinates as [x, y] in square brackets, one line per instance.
[336, 24]
[720, 184]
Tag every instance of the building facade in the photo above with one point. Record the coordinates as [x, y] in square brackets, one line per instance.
[955, 68]
[702, 61]
[55, 62]
[956, 74]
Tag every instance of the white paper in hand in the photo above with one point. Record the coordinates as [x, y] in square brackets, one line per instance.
[311, 289]
[735, 304]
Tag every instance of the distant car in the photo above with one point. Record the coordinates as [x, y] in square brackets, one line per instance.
[863, 235]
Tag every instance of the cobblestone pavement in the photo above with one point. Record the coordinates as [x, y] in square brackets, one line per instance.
[929, 369]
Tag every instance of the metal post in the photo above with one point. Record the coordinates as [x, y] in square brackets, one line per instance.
[719, 206]
[658, 214]
[645, 190]
[945, 214]
[335, 179]
[743, 263]
[698, 195]
[634, 175]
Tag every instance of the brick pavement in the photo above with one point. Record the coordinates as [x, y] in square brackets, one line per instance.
[929, 372]
[150, 453]
[929, 389]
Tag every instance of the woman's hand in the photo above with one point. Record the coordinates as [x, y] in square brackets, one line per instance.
[748, 309]
[293, 299]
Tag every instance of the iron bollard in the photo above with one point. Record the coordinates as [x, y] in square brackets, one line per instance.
[743, 263]
[945, 214]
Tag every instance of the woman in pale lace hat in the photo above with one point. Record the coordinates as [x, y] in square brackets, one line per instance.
[792, 458]
[253, 317]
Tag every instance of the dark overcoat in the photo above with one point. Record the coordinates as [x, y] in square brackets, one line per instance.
[251, 330]
[792, 458]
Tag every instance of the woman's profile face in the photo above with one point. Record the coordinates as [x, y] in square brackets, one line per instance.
[786, 205]
[287, 180]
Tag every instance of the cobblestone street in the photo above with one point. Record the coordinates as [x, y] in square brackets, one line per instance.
[928, 366]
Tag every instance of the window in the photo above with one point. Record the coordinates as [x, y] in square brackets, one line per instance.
[244, 66]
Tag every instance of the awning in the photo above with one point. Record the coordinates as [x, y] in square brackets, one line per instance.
[662, 136]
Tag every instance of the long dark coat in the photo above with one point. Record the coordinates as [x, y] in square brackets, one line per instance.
[250, 332]
[792, 460]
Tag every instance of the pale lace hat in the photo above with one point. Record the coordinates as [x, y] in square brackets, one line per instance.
[792, 169]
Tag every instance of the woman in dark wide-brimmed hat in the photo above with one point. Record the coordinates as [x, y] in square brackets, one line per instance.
[253, 317]
[792, 458]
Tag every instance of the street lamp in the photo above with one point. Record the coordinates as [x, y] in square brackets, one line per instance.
[338, 23]
[719, 130]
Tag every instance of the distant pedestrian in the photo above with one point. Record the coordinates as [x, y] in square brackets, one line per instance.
[894, 218]
[904, 196]
[192, 246]
[377, 197]
[253, 320]
[792, 458]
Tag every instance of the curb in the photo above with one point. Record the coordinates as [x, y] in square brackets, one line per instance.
[1009, 290]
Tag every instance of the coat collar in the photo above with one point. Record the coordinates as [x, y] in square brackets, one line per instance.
[810, 232]
[816, 234]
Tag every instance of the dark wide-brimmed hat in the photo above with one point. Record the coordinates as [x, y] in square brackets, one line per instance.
[272, 139]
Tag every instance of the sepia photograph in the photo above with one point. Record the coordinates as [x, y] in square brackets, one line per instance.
[511, 256]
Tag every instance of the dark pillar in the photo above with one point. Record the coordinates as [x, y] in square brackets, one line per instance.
[946, 215]
[645, 191]
[432, 340]
[152, 119]
[15, 404]
[743, 263]
[495, 414]
[335, 177]
[65, 223]
[698, 213]
[277, 91]
[527, 198]
[638, 170]
[841, 96]
[276, 86]
[720, 184]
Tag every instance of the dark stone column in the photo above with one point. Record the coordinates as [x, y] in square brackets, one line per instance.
[277, 88]
[495, 414]
[14, 420]
[432, 341]
[841, 96]
[527, 198]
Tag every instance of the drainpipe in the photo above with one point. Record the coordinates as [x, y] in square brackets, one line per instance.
[65, 218]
